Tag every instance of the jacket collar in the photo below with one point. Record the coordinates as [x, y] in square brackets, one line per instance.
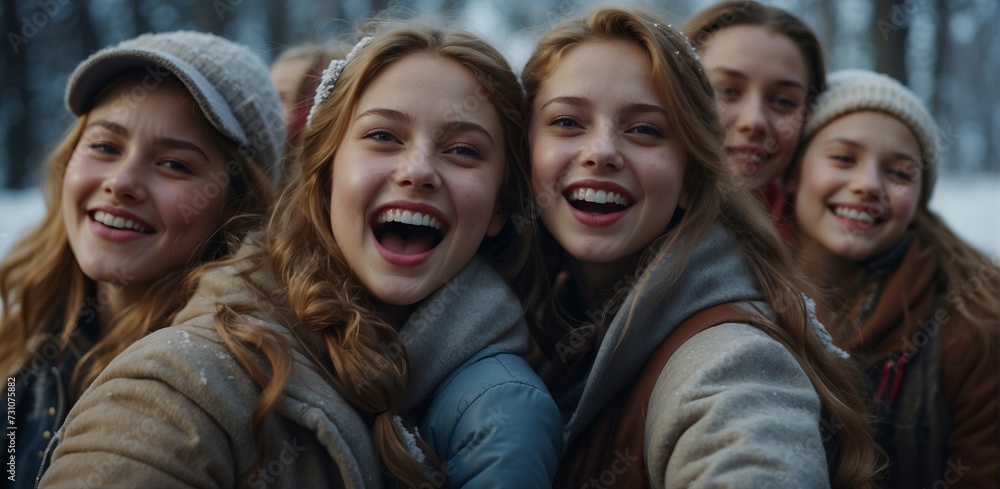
[714, 272]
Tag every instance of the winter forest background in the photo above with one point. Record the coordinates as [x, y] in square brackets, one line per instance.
[948, 51]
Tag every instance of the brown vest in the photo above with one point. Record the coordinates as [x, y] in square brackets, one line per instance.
[610, 453]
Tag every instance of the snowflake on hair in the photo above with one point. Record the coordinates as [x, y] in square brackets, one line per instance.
[330, 76]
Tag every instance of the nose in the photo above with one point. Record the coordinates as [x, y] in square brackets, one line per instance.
[417, 169]
[127, 180]
[867, 179]
[750, 117]
[600, 149]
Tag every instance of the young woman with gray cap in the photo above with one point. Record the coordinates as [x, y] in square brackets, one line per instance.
[176, 145]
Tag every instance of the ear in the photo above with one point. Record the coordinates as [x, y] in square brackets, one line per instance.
[497, 222]
[682, 203]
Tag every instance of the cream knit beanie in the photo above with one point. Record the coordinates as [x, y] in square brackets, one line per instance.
[850, 91]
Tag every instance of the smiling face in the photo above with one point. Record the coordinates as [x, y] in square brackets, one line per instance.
[138, 197]
[416, 178]
[607, 170]
[858, 187]
[760, 79]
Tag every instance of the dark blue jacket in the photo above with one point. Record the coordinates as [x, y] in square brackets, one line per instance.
[41, 402]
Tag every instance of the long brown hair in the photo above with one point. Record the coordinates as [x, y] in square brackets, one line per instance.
[44, 291]
[715, 199]
[317, 290]
[748, 12]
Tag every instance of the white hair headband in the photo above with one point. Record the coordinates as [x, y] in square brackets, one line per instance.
[330, 76]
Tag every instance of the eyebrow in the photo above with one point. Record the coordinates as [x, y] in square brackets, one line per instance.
[387, 113]
[639, 108]
[577, 101]
[632, 108]
[461, 126]
[787, 82]
[172, 143]
[854, 144]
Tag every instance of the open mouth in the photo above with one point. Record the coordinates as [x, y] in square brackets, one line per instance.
[597, 202]
[406, 232]
[861, 217]
[117, 222]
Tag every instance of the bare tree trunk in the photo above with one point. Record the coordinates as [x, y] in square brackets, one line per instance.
[940, 64]
[276, 15]
[15, 59]
[139, 19]
[88, 37]
[891, 26]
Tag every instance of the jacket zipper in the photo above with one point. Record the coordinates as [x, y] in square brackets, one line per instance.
[893, 369]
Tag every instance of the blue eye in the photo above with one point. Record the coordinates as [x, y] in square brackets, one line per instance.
[563, 121]
[177, 166]
[646, 130]
[726, 92]
[381, 135]
[785, 104]
[464, 150]
[103, 148]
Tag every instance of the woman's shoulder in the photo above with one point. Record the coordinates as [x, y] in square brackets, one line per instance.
[191, 358]
[739, 394]
[493, 423]
[492, 367]
[732, 348]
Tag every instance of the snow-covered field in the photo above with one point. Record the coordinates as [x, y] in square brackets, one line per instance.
[970, 205]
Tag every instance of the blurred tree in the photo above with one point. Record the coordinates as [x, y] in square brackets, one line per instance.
[14, 101]
[961, 81]
[889, 31]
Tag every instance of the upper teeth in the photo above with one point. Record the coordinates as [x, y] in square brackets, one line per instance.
[855, 214]
[598, 196]
[408, 217]
[119, 222]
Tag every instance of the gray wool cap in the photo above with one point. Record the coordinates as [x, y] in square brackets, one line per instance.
[229, 82]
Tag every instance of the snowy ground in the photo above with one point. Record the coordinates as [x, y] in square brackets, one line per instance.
[970, 205]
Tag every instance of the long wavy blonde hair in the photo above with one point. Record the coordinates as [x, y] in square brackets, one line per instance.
[714, 198]
[317, 290]
[45, 293]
